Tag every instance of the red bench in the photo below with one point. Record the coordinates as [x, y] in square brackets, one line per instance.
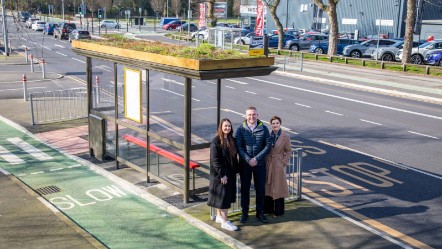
[162, 152]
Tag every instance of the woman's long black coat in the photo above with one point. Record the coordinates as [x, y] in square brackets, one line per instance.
[221, 164]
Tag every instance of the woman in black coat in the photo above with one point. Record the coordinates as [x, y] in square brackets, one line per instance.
[223, 169]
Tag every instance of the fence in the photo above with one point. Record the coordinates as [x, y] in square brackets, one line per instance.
[294, 179]
[290, 61]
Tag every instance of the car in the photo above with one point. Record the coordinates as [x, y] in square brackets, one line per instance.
[109, 24]
[77, 34]
[201, 34]
[374, 37]
[24, 15]
[184, 28]
[434, 57]
[417, 54]
[305, 42]
[389, 53]
[30, 21]
[64, 29]
[346, 35]
[38, 25]
[244, 40]
[274, 39]
[322, 48]
[79, 15]
[359, 50]
[173, 24]
[49, 28]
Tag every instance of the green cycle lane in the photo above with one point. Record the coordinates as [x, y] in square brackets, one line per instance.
[115, 216]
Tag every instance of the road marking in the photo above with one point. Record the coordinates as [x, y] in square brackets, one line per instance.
[37, 172]
[74, 166]
[424, 135]
[78, 60]
[204, 108]
[275, 98]
[174, 81]
[236, 81]
[349, 99]
[40, 155]
[16, 89]
[177, 94]
[250, 92]
[4, 172]
[61, 53]
[56, 169]
[303, 105]
[371, 122]
[59, 46]
[46, 47]
[230, 87]
[10, 157]
[335, 113]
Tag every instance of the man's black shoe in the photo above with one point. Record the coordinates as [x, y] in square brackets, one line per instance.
[243, 218]
[262, 218]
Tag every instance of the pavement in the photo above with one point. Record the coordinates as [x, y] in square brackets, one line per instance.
[102, 207]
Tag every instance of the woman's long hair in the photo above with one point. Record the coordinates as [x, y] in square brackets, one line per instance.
[230, 141]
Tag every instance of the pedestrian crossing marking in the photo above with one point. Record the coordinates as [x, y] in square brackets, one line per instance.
[40, 155]
[9, 157]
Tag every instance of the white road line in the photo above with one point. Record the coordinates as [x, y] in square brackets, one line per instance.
[250, 92]
[204, 108]
[49, 205]
[4, 172]
[21, 89]
[78, 60]
[46, 47]
[160, 112]
[59, 46]
[177, 94]
[21, 175]
[40, 155]
[231, 87]
[236, 81]
[371, 122]
[303, 105]
[37, 172]
[424, 135]
[349, 99]
[275, 98]
[56, 169]
[210, 82]
[61, 53]
[174, 81]
[10, 157]
[74, 166]
[335, 113]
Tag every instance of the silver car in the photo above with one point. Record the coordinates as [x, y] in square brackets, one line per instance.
[360, 50]
[388, 53]
[417, 54]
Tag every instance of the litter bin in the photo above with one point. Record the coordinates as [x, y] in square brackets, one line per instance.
[139, 20]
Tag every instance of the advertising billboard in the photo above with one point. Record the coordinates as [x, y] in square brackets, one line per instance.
[220, 10]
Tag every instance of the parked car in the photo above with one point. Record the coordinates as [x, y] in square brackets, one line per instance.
[173, 24]
[109, 24]
[359, 50]
[201, 34]
[372, 37]
[305, 42]
[79, 15]
[184, 28]
[24, 15]
[417, 54]
[244, 40]
[49, 28]
[346, 35]
[434, 57]
[64, 29]
[273, 40]
[38, 25]
[30, 21]
[79, 34]
[389, 53]
[322, 48]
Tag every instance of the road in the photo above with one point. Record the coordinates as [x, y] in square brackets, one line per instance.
[372, 158]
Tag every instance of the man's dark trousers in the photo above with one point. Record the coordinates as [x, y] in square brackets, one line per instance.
[259, 178]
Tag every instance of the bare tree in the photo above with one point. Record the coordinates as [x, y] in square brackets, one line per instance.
[157, 6]
[330, 9]
[409, 28]
[175, 7]
[272, 6]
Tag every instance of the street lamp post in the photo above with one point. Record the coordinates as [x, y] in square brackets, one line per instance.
[62, 9]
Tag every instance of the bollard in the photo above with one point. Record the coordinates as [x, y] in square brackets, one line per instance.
[43, 68]
[97, 94]
[32, 63]
[25, 88]
[26, 54]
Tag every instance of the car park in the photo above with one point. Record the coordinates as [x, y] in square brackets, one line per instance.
[49, 28]
[64, 29]
[30, 21]
[244, 40]
[274, 39]
[322, 48]
[185, 28]
[109, 24]
[305, 42]
[359, 50]
[77, 34]
[433, 57]
[389, 53]
[173, 24]
[417, 54]
[38, 25]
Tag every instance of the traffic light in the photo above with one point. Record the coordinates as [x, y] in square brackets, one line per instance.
[79, 10]
[100, 13]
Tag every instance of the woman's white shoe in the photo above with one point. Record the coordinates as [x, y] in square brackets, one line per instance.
[229, 226]
[219, 220]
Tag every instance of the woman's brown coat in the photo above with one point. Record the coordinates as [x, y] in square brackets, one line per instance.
[276, 160]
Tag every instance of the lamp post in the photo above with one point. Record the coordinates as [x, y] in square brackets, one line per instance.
[62, 9]
[167, 8]
[379, 28]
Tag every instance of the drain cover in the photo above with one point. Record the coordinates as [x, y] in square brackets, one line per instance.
[48, 190]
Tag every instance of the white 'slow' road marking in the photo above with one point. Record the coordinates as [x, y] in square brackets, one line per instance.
[275, 98]
[371, 122]
[424, 135]
[40, 155]
[78, 60]
[10, 157]
[61, 53]
[177, 94]
[231, 87]
[335, 113]
[250, 92]
[303, 105]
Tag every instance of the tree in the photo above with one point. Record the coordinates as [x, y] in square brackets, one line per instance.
[211, 12]
[272, 6]
[330, 9]
[157, 6]
[175, 7]
[409, 28]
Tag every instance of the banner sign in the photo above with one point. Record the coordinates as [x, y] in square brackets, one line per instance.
[256, 45]
[220, 9]
[202, 20]
[259, 28]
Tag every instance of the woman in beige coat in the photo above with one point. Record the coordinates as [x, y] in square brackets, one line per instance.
[276, 161]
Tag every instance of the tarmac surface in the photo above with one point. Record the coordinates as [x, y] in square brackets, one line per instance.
[28, 218]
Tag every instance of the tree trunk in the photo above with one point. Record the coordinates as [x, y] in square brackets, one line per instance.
[211, 13]
[272, 10]
[333, 32]
[409, 27]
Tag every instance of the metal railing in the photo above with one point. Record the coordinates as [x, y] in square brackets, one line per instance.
[294, 179]
[55, 106]
[291, 61]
